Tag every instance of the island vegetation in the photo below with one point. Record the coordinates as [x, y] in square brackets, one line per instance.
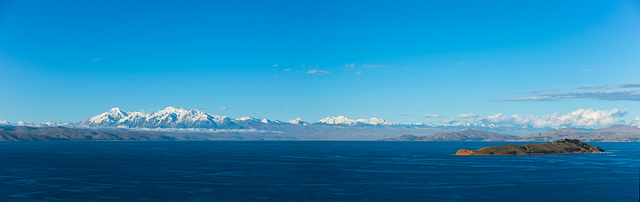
[566, 146]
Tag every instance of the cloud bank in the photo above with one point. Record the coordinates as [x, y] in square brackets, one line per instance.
[581, 118]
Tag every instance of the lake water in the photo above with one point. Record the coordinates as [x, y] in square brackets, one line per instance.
[309, 171]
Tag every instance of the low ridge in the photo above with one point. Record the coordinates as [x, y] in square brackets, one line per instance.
[566, 146]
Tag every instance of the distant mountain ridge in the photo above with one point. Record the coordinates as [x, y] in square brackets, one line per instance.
[178, 123]
[169, 117]
[172, 117]
[616, 133]
[464, 135]
[312, 132]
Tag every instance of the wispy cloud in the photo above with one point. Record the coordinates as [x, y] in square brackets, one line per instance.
[287, 70]
[96, 60]
[614, 95]
[629, 85]
[624, 85]
[432, 115]
[314, 71]
[468, 115]
[403, 114]
[366, 66]
[542, 91]
[223, 108]
[634, 122]
[625, 91]
[595, 87]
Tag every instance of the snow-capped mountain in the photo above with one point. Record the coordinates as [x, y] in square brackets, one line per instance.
[3, 122]
[298, 121]
[342, 120]
[246, 118]
[169, 117]
[112, 117]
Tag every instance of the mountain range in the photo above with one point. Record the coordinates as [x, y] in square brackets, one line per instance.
[172, 117]
[179, 124]
[616, 133]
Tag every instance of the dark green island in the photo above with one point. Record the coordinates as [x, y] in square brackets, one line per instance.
[566, 146]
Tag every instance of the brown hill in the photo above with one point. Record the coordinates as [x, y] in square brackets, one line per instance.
[463, 135]
[567, 146]
[616, 133]
[20, 133]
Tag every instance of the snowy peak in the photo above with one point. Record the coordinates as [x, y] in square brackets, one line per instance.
[337, 120]
[170, 117]
[246, 118]
[298, 121]
[174, 117]
[374, 121]
[111, 117]
[342, 120]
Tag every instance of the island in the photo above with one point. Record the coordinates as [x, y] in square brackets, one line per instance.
[566, 146]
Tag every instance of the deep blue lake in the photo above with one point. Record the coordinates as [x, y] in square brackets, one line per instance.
[309, 171]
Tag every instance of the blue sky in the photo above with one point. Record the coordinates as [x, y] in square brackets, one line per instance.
[69, 60]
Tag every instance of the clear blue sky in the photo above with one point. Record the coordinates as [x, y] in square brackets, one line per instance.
[397, 60]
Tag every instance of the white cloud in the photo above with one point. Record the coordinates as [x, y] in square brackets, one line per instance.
[581, 118]
[287, 70]
[496, 118]
[634, 122]
[275, 65]
[96, 60]
[223, 108]
[3, 122]
[359, 73]
[317, 72]
[469, 115]
[350, 66]
[432, 115]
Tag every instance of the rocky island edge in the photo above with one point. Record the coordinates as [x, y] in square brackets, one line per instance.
[566, 146]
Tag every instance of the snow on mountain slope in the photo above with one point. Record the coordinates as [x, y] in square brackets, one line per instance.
[172, 117]
[111, 117]
[342, 120]
[298, 121]
[246, 118]
[169, 117]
